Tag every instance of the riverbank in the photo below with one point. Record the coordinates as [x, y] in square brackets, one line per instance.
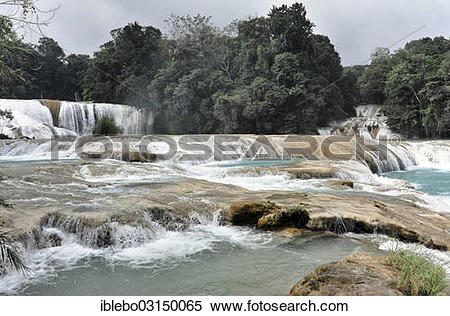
[109, 209]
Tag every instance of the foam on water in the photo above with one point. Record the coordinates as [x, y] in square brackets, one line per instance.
[390, 244]
[142, 248]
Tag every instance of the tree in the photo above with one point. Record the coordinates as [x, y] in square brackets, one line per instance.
[123, 69]
[417, 88]
[374, 78]
[51, 72]
[21, 13]
[290, 28]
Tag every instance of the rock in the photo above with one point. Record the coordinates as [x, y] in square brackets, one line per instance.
[268, 215]
[293, 232]
[4, 204]
[167, 219]
[135, 156]
[52, 240]
[345, 184]
[295, 217]
[357, 275]
[248, 213]
[361, 215]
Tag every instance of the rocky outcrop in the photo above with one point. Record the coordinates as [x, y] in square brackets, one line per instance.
[357, 275]
[364, 215]
[338, 214]
[295, 217]
[248, 213]
[268, 215]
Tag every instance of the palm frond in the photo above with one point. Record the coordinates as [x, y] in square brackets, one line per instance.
[9, 256]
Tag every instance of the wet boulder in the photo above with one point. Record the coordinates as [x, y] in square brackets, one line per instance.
[295, 217]
[248, 213]
[357, 275]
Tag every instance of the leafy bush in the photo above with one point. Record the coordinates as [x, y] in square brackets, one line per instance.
[106, 126]
[418, 276]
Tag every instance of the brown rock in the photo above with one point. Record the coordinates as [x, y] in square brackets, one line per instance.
[345, 184]
[293, 232]
[357, 275]
[296, 217]
[248, 213]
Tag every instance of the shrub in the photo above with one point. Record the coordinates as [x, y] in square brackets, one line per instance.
[418, 276]
[106, 126]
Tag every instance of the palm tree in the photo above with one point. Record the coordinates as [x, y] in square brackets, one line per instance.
[9, 256]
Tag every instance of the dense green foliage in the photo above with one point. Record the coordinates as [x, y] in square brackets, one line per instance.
[414, 84]
[106, 126]
[38, 71]
[418, 276]
[258, 75]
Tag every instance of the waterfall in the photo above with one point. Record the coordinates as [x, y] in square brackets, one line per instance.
[369, 123]
[130, 119]
[30, 119]
[369, 110]
[325, 131]
[428, 154]
[77, 117]
[44, 119]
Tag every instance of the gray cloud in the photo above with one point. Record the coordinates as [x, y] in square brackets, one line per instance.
[355, 27]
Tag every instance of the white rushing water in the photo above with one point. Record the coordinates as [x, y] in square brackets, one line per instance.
[31, 119]
[369, 123]
[147, 248]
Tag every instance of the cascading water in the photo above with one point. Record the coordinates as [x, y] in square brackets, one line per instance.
[131, 120]
[369, 123]
[77, 117]
[30, 119]
[34, 119]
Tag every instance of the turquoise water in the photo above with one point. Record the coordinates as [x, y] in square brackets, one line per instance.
[432, 181]
[224, 269]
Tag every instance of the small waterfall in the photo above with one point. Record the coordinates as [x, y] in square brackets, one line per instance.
[369, 110]
[130, 119]
[118, 230]
[369, 123]
[77, 117]
[325, 131]
[433, 154]
[428, 154]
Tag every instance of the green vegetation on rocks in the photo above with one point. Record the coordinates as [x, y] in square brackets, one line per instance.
[106, 126]
[418, 276]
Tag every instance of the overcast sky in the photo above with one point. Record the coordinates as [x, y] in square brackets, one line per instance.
[355, 27]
